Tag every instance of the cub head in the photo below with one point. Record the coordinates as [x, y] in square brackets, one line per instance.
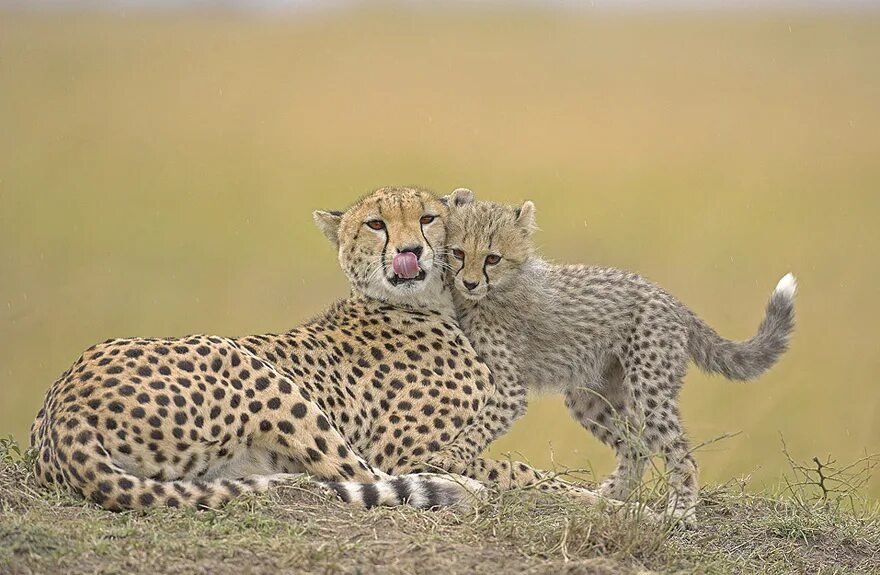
[488, 244]
[391, 244]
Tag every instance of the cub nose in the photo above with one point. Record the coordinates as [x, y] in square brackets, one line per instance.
[417, 250]
[471, 285]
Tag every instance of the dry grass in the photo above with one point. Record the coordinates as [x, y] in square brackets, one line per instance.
[296, 529]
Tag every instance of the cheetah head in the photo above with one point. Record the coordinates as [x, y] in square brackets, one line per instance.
[488, 243]
[391, 244]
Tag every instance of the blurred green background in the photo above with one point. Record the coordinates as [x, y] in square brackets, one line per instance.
[158, 171]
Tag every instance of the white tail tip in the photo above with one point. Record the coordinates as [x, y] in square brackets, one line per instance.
[787, 286]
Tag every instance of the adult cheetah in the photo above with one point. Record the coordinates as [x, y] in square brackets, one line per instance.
[379, 384]
[376, 382]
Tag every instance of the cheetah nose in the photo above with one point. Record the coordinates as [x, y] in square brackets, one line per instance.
[414, 249]
[406, 264]
[471, 285]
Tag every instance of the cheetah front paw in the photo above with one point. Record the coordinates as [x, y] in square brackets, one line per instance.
[450, 461]
[633, 509]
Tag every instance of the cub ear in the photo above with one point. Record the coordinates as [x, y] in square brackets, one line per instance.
[458, 197]
[525, 217]
[328, 223]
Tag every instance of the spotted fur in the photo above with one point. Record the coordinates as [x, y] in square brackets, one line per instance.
[614, 343]
[356, 398]
[370, 398]
[455, 371]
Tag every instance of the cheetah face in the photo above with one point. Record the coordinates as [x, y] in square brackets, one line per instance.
[391, 243]
[488, 245]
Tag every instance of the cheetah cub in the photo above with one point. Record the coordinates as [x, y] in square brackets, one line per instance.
[614, 343]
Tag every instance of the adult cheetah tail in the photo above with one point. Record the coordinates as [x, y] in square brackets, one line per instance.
[748, 359]
[84, 464]
[420, 490]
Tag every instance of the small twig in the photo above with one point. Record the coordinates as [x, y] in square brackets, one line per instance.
[832, 483]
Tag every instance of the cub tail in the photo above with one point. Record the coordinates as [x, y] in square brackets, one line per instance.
[748, 359]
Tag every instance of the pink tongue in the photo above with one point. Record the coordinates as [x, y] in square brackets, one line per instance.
[406, 265]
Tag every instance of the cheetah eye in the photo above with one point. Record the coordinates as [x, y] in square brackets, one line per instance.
[493, 259]
[427, 220]
[376, 225]
[458, 254]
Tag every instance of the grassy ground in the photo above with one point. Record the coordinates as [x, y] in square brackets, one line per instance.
[298, 529]
[158, 171]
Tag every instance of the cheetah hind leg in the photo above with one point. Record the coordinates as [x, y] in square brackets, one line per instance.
[682, 477]
[91, 472]
[664, 429]
[611, 419]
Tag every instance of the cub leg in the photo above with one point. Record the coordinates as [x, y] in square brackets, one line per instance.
[681, 467]
[610, 416]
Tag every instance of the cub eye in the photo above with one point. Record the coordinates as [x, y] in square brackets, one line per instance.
[458, 254]
[427, 220]
[376, 225]
[493, 259]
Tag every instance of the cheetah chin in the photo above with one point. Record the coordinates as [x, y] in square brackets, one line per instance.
[398, 281]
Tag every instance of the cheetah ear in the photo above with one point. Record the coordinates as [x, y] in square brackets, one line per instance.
[525, 218]
[328, 223]
[458, 197]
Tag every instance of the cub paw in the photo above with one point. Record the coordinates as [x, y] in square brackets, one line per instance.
[684, 518]
[614, 489]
